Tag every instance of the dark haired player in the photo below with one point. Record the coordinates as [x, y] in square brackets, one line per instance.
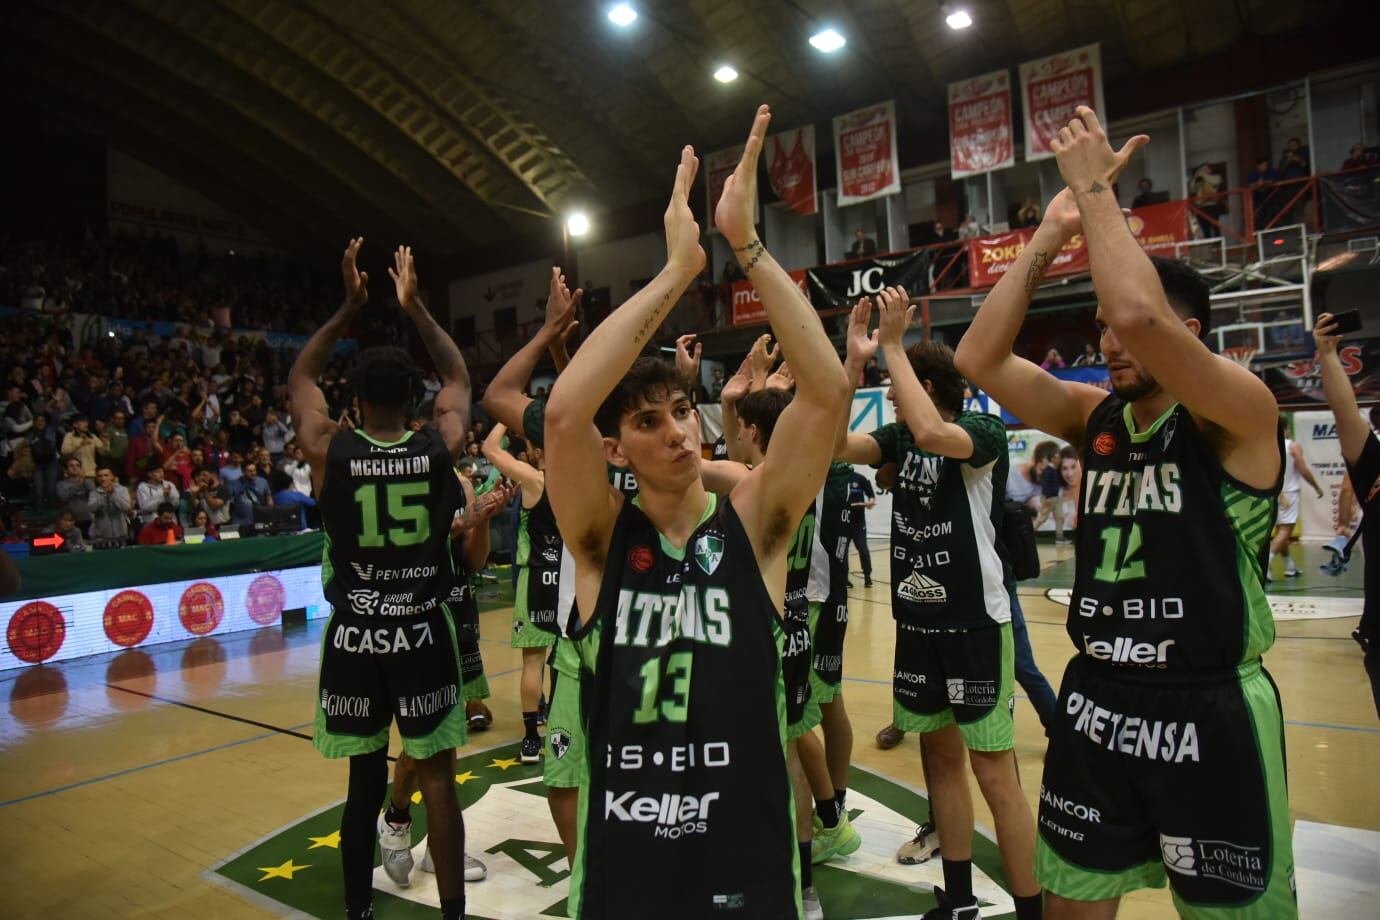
[1167, 753]
[955, 661]
[388, 496]
[679, 596]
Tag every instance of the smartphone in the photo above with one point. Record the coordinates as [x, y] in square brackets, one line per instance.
[1347, 321]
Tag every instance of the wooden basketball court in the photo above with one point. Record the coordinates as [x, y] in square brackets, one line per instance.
[131, 784]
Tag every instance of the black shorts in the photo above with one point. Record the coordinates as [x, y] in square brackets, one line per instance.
[375, 670]
[963, 676]
[1146, 777]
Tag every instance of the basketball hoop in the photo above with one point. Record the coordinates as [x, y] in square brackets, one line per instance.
[1241, 355]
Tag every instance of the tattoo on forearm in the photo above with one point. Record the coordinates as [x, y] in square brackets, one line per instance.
[1096, 187]
[653, 319]
[758, 251]
[1038, 266]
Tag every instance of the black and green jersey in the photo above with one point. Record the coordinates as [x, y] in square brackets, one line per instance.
[533, 428]
[946, 558]
[1170, 549]
[688, 806]
[386, 508]
[539, 540]
[795, 650]
[833, 527]
[464, 609]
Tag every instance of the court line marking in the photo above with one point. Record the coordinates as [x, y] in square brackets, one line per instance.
[147, 766]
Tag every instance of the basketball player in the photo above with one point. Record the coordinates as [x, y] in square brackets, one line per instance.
[538, 559]
[1295, 467]
[689, 794]
[1167, 752]
[955, 662]
[469, 536]
[388, 496]
[506, 400]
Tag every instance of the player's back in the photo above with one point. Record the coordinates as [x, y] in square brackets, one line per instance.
[386, 508]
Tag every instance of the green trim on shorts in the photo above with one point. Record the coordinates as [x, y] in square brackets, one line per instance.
[330, 745]
[1057, 875]
[525, 635]
[811, 717]
[995, 731]
[569, 770]
[453, 731]
[477, 689]
[821, 690]
[1267, 724]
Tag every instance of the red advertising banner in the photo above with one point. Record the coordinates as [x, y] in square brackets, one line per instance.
[791, 168]
[1052, 88]
[1157, 227]
[865, 148]
[746, 306]
[980, 136]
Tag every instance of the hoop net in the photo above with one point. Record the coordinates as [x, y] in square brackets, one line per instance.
[1241, 355]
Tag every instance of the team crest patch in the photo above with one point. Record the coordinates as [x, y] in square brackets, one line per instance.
[709, 552]
[560, 742]
[508, 826]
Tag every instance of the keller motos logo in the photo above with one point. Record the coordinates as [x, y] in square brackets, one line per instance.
[673, 814]
[1125, 650]
[922, 589]
[1244, 867]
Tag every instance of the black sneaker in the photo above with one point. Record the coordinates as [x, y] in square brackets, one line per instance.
[867, 582]
[948, 910]
[531, 750]
[541, 710]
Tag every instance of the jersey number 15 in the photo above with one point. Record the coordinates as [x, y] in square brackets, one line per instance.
[408, 516]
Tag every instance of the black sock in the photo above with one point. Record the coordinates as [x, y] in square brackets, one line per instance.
[1030, 907]
[368, 782]
[453, 908]
[840, 796]
[396, 815]
[529, 722]
[958, 880]
[828, 811]
[806, 875]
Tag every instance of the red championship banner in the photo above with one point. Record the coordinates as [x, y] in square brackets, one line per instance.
[747, 307]
[1157, 228]
[791, 168]
[980, 136]
[865, 148]
[1052, 88]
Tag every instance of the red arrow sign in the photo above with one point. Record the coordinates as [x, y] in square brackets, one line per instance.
[54, 541]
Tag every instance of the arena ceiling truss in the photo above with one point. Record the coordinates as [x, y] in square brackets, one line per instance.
[458, 124]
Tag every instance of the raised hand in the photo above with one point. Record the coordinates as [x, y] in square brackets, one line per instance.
[356, 281]
[479, 510]
[1062, 214]
[738, 386]
[404, 275]
[734, 214]
[896, 312]
[687, 361]
[782, 379]
[1086, 160]
[561, 307]
[683, 250]
[1322, 335]
[763, 356]
[861, 345]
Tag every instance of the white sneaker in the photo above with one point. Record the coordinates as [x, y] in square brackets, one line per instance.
[475, 871]
[809, 903]
[395, 844]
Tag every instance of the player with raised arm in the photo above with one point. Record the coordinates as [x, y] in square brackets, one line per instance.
[388, 496]
[680, 596]
[955, 666]
[1167, 753]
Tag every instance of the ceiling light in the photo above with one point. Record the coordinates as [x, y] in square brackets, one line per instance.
[725, 74]
[958, 19]
[622, 15]
[577, 224]
[827, 41]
